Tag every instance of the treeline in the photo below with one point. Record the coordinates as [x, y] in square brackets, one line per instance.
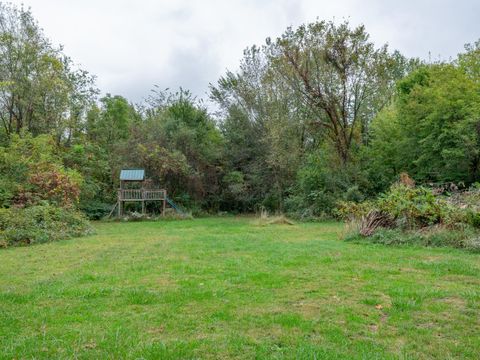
[322, 115]
[317, 116]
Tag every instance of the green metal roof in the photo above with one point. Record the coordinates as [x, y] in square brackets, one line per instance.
[132, 175]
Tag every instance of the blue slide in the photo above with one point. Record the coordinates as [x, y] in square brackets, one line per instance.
[173, 205]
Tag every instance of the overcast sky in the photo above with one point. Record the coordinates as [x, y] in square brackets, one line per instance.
[132, 45]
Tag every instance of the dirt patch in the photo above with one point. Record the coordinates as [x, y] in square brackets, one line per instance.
[309, 309]
[453, 301]
[156, 330]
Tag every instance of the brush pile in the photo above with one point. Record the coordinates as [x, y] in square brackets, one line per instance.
[420, 214]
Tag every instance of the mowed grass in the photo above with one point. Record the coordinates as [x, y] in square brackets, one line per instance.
[227, 288]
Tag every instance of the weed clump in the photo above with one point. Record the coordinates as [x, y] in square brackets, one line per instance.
[409, 215]
[265, 219]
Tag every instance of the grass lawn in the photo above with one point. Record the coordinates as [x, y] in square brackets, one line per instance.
[226, 288]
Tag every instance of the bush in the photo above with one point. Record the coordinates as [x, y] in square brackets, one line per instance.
[95, 210]
[409, 215]
[31, 171]
[407, 207]
[39, 224]
[322, 181]
[469, 201]
[414, 208]
[473, 218]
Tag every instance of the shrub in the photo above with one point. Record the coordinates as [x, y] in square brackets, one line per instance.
[52, 182]
[348, 210]
[414, 208]
[95, 210]
[374, 220]
[39, 224]
[469, 201]
[32, 171]
[407, 208]
[473, 218]
[409, 215]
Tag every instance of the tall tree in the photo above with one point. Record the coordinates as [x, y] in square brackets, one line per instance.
[111, 124]
[40, 90]
[469, 61]
[312, 91]
[339, 75]
[180, 147]
[432, 130]
[255, 101]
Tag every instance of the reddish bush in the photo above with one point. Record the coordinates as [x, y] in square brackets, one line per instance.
[50, 182]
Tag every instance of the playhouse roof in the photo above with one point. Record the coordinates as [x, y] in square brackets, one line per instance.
[132, 175]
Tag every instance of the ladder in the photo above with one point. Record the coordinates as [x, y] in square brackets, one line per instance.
[113, 209]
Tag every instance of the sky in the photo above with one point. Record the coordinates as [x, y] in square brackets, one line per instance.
[133, 45]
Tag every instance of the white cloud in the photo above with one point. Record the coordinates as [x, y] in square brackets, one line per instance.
[132, 45]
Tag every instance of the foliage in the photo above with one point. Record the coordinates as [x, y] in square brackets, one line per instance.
[322, 182]
[415, 207]
[469, 61]
[469, 201]
[431, 130]
[412, 215]
[473, 218]
[247, 178]
[297, 114]
[32, 171]
[40, 194]
[180, 148]
[110, 124]
[97, 188]
[340, 75]
[41, 90]
[318, 116]
[409, 207]
[52, 183]
[39, 224]
[95, 210]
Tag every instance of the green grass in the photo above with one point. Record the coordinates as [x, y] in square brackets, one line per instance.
[226, 288]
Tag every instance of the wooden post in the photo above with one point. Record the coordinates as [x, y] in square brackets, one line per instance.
[119, 196]
[164, 202]
[120, 204]
[120, 208]
[143, 199]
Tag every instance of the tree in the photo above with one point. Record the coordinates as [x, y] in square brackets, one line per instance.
[244, 183]
[179, 145]
[264, 127]
[339, 75]
[433, 130]
[110, 124]
[39, 88]
[469, 61]
[383, 152]
[305, 100]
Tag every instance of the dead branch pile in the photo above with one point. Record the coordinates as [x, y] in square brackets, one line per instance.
[373, 220]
